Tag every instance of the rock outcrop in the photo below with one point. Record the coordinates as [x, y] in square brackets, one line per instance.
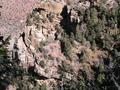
[41, 40]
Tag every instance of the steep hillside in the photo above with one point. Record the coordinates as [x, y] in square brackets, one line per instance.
[59, 45]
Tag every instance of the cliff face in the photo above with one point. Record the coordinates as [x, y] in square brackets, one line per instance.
[59, 44]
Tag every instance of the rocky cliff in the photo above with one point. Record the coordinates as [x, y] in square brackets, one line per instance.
[59, 44]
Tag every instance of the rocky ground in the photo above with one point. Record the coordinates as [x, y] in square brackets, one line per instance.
[46, 43]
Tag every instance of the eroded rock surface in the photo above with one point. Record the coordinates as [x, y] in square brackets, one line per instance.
[39, 29]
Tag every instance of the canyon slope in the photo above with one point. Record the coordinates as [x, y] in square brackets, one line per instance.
[59, 44]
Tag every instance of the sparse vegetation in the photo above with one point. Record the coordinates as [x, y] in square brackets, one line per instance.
[102, 25]
[66, 45]
[42, 64]
[78, 71]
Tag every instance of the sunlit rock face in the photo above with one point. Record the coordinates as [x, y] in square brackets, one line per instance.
[10, 87]
[41, 42]
[26, 40]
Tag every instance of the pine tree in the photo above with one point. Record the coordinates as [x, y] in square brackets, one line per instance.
[93, 16]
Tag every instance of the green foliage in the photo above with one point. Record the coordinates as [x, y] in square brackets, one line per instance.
[2, 51]
[29, 20]
[43, 87]
[5, 42]
[42, 64]
[99, 21]
[4, 58]
[66, 68]
[66, 45]
[79, 35]
[69, 84]
[101, 67]
[100, 78]
[81, 83]
[93, 16]
[93, 47]
[12, 73]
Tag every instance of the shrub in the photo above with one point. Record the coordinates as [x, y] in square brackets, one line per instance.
[82, 56]
[93, 16]
[100, 78]
[81, 83]
[29, 20]
[66, 45]
[43, 87]
[42, 64]
[2, 51]
[79, 35]
[66, 68]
